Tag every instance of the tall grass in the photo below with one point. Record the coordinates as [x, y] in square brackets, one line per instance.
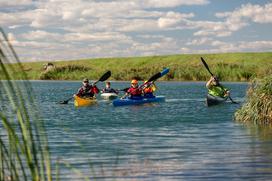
[24, 151]
[258, 107]
[229, 66]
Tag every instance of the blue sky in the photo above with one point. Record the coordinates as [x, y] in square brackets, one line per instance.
[74, 29]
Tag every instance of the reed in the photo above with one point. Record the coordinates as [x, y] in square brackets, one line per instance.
[24, 150]
[258, 106]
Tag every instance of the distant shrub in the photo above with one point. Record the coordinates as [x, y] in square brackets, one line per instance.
[57, 72]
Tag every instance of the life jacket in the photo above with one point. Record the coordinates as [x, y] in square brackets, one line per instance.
[109, 90]
[87, 91]
[217, 90]
[134, 91]
[148, 90]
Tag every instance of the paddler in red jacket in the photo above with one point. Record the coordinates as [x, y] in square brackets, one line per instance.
[87, 90]
[134, 91]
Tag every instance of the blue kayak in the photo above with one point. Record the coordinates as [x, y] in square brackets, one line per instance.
[128, 101]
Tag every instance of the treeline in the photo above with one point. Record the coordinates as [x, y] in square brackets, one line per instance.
[228, 66]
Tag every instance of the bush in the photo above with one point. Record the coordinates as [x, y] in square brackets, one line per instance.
[258, 108]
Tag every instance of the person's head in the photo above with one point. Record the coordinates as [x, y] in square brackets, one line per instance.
[85, 82]
[134, 83]
[108, 84]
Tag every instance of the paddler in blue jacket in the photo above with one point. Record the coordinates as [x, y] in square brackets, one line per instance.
[216, 89]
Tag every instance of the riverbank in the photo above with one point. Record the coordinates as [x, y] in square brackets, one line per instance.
[258, 107]
[229, 66]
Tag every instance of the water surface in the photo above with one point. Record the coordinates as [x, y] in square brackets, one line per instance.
[180, 139]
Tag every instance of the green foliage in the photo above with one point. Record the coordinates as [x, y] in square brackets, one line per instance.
[258, 108]
[229, 66]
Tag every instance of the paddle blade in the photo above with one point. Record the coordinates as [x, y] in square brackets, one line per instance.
[206, 66]
[154, 77]
[63, 102]
[105, 76]
[165, 71]
[158, 75]
[232, 101]
[66, 101]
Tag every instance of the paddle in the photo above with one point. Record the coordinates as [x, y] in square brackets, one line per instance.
[207, 67]
[125, 89]
[152, 79]
[104, 77]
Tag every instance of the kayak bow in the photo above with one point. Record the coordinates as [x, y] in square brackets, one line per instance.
[215, 100]
[79, 102]
[109, 96]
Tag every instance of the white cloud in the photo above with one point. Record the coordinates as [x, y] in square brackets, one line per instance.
[201, 41]
[235, 20]
[5, 3]
[172, 19]
[255, 13]
[172, 3]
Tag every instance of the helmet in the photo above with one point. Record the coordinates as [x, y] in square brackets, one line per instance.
[85, 80]
[134, 81]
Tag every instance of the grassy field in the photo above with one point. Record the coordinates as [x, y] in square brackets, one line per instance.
[229, 67]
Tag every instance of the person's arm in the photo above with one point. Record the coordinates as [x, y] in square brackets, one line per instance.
[115, 91]
[79, 92]
[209, 83]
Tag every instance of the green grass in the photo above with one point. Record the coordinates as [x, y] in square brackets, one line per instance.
[24, 151]
[229, 66]
[258, 107]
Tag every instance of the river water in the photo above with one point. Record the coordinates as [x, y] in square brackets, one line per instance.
[180, 139]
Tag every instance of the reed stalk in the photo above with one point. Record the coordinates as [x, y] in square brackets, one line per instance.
[24, 150]
[258, 106]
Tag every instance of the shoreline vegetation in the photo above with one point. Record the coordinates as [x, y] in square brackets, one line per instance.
[238, 67]
[258, 106]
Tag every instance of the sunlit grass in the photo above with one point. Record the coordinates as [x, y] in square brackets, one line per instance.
[229, 66]
[258, 106]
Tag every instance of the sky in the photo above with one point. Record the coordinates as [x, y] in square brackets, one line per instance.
[51, 30]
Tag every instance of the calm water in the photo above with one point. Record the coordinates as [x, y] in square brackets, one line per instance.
[180, 139]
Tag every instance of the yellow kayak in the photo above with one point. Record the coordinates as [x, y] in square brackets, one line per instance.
[79, 101]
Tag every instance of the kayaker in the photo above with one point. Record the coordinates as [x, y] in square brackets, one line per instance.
[149, 89]
[87, 90]
[108, 89]
[134, 91]
[216, 89]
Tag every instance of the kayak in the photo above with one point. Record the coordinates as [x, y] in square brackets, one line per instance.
[79, 101]
[215, 100]
[128, 101]
[109, 96]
